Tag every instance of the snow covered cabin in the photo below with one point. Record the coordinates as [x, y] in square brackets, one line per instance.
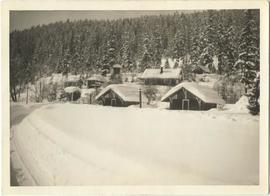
[73, 93]
[192, 96]
[95, 81]
[73, 80]
[162, 76]
[121, 95]
[199, 69]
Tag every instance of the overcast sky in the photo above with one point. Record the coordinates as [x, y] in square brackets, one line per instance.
[20, 20]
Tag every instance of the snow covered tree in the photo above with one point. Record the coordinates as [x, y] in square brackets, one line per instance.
[208, 41]
[195, 48]
[109, 58]
[112, 50]
[157, 49]
[226, 50]
[126, 53]
[151, 93]
[254, 96]
[178, 47]
[248, 63]
[147, 56]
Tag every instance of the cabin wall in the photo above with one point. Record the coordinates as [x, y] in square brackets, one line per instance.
[158, 81]
[93, 83]
[190, 102]
[112, 99]
[73, 83]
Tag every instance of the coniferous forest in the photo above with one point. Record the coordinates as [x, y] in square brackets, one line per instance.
[94, 46]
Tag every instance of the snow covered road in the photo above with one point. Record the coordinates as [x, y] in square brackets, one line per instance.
[69, 144]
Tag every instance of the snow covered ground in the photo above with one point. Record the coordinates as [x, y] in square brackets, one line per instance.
[72, 144]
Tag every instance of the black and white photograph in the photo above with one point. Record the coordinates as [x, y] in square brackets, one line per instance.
[135, 97]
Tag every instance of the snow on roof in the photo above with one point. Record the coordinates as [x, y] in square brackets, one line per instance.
[117, 66]
[97, 78]
[205, 69]
[72, 89]
[87, 91]
[205, 93]
[72, 78]
[127, 92]
[167, 73]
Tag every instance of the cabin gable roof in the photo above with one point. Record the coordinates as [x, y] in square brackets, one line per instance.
[128, 93]
[156, 74]
[205, 93]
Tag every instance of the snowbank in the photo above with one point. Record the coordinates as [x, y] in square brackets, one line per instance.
[240, 106]
[69, 144]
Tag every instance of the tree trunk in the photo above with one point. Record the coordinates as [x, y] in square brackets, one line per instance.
[27, 94]
[14, 94]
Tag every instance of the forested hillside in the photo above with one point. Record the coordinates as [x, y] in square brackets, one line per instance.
[88, 46]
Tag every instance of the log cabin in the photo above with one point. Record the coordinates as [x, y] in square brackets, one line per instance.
[192, 96]
[162, 76]
[120, 95]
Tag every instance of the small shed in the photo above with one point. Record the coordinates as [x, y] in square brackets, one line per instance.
[116, 69]
[73, 93]
[192, 96]
[162, 76]
[120, 95]
[95, 81]
[199, 69]
[73, 81]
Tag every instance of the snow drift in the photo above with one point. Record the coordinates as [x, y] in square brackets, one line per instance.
[69, 144]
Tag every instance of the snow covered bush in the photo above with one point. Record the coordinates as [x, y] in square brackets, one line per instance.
[229, 89]
[151, 93]
[52, 94]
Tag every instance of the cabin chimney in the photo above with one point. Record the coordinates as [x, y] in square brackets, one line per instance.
[161, 69]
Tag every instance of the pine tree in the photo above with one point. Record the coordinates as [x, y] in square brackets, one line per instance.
[157, 49]
[126, 53]
[208, 41]
[254, 95]
[247, 64]
[146, 58]
[112, 50]
[109, 58]
[178, 47]
[226, 50]
[195, 48]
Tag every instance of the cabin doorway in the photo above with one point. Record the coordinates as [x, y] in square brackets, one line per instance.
[113, 102]
[185, 104]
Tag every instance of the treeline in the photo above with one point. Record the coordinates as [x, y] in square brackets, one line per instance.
[87, 46]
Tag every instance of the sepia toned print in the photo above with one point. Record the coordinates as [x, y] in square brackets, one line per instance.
[135, 97]
[99, 94]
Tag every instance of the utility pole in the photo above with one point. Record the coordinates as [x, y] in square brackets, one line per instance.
[140, 97]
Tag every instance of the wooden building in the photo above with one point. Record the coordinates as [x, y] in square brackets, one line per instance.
[116, 69]
[72, 93]
[120, 95]
[192, 96]
[199, 69]
[95, 81]
[162, 76]
[73, 81]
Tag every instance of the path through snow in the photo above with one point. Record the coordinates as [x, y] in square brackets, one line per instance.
[69, 144]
